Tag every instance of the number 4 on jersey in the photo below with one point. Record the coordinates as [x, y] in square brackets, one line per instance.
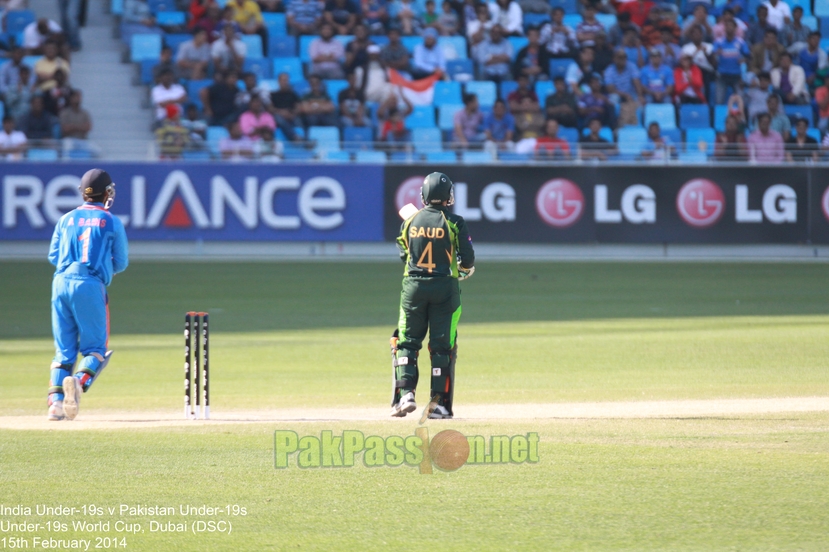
[427, 254]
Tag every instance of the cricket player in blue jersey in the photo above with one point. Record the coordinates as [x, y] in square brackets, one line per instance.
[89, 245]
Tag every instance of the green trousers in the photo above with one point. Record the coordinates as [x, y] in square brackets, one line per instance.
[432, 304]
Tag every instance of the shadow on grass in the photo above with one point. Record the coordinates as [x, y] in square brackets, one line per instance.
[152, 297]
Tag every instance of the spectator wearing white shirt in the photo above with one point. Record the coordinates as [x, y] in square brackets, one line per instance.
[327, 54]
[37, 32]
[165, 93]
[228, 52]
[779, 13]
[193, 57]
[12, 142]
[558, 37]
[508, 14]
[428, 56]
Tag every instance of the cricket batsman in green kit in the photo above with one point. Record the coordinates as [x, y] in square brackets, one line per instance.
[436, 247]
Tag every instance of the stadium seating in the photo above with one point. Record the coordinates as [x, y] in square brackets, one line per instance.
[145, 46]
[460, 69]
[811, 22]
[518, 42]
[696, 137]
[17, 20]
[427, 140]
[291, 65]
[694, 116]
[214, 135]
[275, 23]
[281, 46]
[485, 90]
[254, 46]
[193, 89]
[38, 154]
[604, 132]
[446, 116]
[170, 18]
[572, 19]
[422, 116]
[370, 157]
[447, 92]
[569, 134]
[335, 156]
[814, 133]
[821, 8]
[692, 157]
[357, 138]
[535, 19]
[569, 6]
[334, 87]
[799, 111]
[445, 157]
[720, 113]
[608, 20]
[326, 138]
[174, 40]
[146, 71]
[664, 114]
[631, 141]
[454, 47]
[260, 67]
[558, 67]
[544, 89]
[477, 157]
[505, 88]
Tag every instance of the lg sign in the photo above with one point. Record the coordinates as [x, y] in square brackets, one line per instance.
[495, 204]
[700, 203]
[559, 203]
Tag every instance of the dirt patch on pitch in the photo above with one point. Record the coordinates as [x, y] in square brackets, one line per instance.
[102, 419]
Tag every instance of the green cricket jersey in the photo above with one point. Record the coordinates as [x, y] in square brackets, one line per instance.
[432, 241]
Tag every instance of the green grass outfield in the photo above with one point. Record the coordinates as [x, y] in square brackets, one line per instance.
[293, 335]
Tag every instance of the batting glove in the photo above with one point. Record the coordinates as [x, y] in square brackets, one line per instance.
[464, 273]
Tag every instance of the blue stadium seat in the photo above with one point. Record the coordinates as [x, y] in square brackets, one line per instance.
[37, 154]
[810, 21]
[446, 116]
[692, 157]
[447, 92]
[157, 6]
[427, 140]
[260, 67]
[823, 22]
[116, 7]
[403, 157]
[477, 157]
[805, 4]
[145, 46]
[512, 157]
[569, 6]
[505, 88]
[357, 138]
[821, 8]
[569, 134]
[214, 136]
[326, 138]
[695, 138]
[460, 69]
[2, 110]
[607, 20]
[79, 154]
[32, 60]
[410, 42]
[298, 154]
[334, 87]
[485, 90]
[454, 47]
[664, 114]
[814, 133]
[558, 67]
[604, 132]
[254, 44]
[171, 18]
[292, 66]
[572, 20]
[720, 114]
[193, 88]
[334, 156]
[535, 19]
[376, 157]
[422, 116]
[518, 42]
[17, 20]
[631, 141]
[694, 116]
[380, 40]
[673, 134]
[147, 66]
[275, 23]
[174, 40]
[544, 89]
[305, 47]
[281, 46]
[445, 157]
[799, 111]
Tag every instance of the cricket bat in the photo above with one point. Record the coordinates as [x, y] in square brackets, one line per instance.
[407, 211]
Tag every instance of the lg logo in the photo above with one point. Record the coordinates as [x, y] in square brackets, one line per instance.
[779, 205]
[700, 203]
[559, 203]
[496, 202]
[638, 205]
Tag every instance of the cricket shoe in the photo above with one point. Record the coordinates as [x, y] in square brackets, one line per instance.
[56, 413]
[71, 396]
[440, 413]
[404, 406]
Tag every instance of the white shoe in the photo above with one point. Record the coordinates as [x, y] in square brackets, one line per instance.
[440, 413]
[56, 411]
[404, 406]
[71, 396]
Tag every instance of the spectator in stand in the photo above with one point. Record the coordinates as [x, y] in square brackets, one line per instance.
[253, 89]
[249, 17]
[558, 38]
[790, 81]
[469, 122]
[193, 56]
[285, 107]
[75, 122]
[372, 78]
[19, 98]
[765, 56]
[602, 53]
[660, 22]
[699, 19]
[622, 80]
[137, 12]
[508, 15]
[272, 6]
[813, 59]
[757, 95]
[658, 146]
[375, 15]
[37, 33]
[822, 103]
[197, 9]
[430, 17]
[356, 54]
[596, 105]
[405, 15]
[495, 56]
[236, 146]
[393, 119]
[731, 145]
[394, 55]
[499, 127]
[12, 142]
[166, 92]
[428, 56]
[47, 65]
[657, 80]
[549, 145]
[668, 49]
[719, 28]
[10, 71]
[341, 15]
[448, 23]
[352, 105]
[593, 146]
[702, 54]
[327, 55]
[477, 32]
[588, 27]
[802, 147]
[765, 144]
[795, 34]
[304, 16]
[228, 52]
[165, 63]
[523, 100]
[636, 53]
[316, 107]
[532, 59]
[576, 72]
[688, 86]
[195, 124]
[38, 124]
[778, 120]
[618, 30]
[638, 10]
[779, 13]
[57, 97]
[757, 30]
[255, 121]
[210, 22]
[219, 99]
[561, 104]
[171, 136]
[739, 8]
[736, 107]
[730, 52]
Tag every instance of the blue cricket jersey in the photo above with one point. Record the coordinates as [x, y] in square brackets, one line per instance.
[91, 241]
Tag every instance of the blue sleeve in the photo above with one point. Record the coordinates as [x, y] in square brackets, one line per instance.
[669, 77]
[54, 247]
[120, 248]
